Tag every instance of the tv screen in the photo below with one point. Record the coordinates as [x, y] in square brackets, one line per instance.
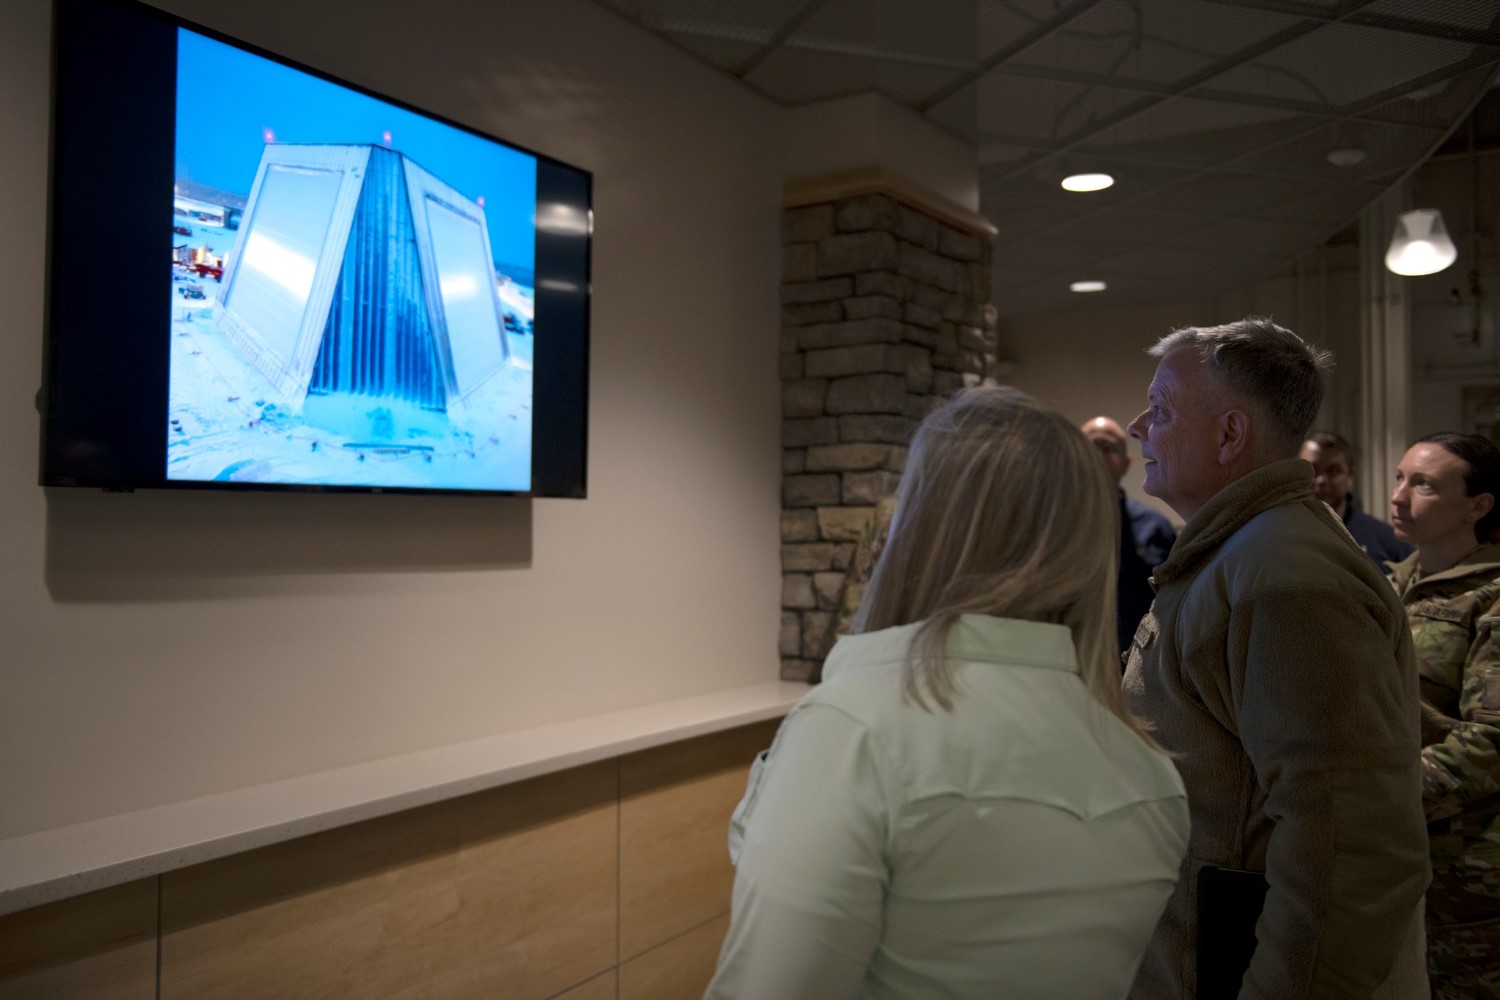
[264, 278]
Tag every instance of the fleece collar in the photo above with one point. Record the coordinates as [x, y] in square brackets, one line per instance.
[1231, 509]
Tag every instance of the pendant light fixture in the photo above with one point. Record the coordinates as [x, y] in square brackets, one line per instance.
[1421, 244]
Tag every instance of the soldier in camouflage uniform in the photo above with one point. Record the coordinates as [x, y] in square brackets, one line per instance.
[1444, 502]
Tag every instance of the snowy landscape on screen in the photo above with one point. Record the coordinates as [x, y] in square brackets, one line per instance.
[351, 288]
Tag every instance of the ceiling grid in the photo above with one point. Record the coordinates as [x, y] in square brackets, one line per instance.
[1215, 116]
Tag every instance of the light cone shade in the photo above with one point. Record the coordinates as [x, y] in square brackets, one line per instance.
[1421, 244]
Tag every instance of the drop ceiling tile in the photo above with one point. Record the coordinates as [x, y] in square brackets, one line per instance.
[1341, 64]
[999, 154]
[998, 23]
[1041, 109]
[940, 34]
[1171, 263]
[724, 53]
[1105, 234]
[1179, 37]
[1169, 156]
[1333, 208]
[1102, 41]
[1263, 238]
[1227, 194]
[671, 14]
[1386, 149]
[1464, 15]
[1209, 191]
[1225, 127]
[1158, 40]
[796, 76]
[1439, 105]
[1045, 253]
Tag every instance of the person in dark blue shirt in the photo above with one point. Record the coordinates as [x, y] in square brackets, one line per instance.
[1146, 536]
[1333, 483]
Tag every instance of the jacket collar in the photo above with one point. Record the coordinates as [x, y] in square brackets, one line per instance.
[981, 638]
[1231, 509]
[1485, 559]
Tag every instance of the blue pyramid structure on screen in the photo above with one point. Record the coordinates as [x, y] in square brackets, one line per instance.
[357, 272]
[378, 340]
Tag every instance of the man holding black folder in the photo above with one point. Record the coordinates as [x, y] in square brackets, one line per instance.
[1276, 665]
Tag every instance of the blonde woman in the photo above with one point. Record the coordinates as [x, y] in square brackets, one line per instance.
[964, 807]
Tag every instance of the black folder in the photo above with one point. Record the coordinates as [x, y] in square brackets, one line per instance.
[1229, 904]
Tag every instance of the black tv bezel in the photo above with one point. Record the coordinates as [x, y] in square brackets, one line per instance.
[76, 387]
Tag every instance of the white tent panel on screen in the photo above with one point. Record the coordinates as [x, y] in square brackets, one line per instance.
[358, 272]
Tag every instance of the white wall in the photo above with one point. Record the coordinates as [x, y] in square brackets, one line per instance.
[162, 645]
[870, 129]
[1448, 357]
[1093, 362]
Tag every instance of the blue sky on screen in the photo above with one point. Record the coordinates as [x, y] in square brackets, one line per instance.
[229, 99]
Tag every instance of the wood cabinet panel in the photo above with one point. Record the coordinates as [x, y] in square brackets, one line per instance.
[675, 805]
[510, 892]
[99, 946]
[677, 970]
[598, 988]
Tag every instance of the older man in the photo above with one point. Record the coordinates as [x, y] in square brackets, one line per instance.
[1146, 536]
[1277, 665]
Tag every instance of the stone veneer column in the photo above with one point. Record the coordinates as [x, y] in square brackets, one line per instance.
[885, 312]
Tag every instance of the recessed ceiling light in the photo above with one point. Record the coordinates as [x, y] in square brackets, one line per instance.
[1087, 286]
[1087, 182]
[1348, 156]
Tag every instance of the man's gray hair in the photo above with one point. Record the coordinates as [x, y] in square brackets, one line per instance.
[1266, 365]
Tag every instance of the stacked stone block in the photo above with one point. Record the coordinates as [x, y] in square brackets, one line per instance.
[885, 312]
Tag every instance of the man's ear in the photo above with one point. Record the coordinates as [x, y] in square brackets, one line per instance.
[1234, 436]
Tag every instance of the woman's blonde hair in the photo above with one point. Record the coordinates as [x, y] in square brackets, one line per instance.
[1004, 509]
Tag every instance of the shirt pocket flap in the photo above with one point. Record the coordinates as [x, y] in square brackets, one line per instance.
[742, 811]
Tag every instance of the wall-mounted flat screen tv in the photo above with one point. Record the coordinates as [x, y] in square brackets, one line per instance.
[261, 277]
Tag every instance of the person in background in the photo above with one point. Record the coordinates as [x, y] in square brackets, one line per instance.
[1333, 483]
[1444, 504]
[1146, 536]
[1277, 667]
[964, 808]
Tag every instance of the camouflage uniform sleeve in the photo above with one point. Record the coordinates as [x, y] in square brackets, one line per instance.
[1464, 765]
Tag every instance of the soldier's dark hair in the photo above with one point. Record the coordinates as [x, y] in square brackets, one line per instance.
[1268, 366]
[1481, 458]
[1328, 439]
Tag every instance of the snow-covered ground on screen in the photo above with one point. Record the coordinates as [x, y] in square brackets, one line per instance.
[227, 423]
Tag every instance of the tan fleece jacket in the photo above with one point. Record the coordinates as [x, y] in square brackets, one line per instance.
[1277, 665]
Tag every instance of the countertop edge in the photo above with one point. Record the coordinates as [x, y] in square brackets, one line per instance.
[49, 865]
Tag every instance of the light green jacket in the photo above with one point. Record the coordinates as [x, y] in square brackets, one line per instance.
[1022, 846]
